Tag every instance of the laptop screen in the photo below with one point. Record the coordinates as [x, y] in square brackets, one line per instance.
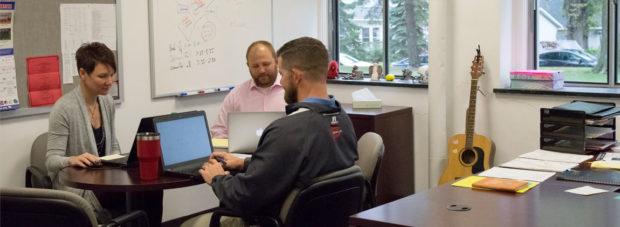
[183, 138]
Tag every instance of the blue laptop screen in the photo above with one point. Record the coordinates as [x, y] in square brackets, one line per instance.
[183, 139]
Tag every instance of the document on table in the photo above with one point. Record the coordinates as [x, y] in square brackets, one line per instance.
[555, 156]
[586, 190]
[542, 165]
[517, 174]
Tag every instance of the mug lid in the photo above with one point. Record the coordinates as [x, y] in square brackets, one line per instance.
[142, 136]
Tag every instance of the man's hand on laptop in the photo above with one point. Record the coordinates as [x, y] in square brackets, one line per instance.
[230, 162]
[210, 169]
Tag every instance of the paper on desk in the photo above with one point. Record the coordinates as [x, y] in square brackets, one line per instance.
[542, 165]
[219, 143]
[605, 165]
[556, 156]
[241, 156]
[611, 156]
[470, 180]
[363, 95]
[586, 190]
[517, 174]
[111, 157]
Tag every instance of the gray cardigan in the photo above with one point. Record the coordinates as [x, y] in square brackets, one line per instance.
[71, 134]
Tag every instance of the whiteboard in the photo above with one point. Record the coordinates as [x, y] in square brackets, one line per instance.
[199, 45]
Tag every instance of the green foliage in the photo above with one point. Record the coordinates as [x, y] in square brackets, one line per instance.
[398, 32]
[348, 32]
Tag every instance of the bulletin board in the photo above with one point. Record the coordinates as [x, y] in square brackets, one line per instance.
[37, 32]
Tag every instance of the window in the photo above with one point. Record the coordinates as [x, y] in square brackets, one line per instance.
[390, 33]
[576, 37]
[365, 35]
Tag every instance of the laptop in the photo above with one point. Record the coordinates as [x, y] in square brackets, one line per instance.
[185, 142]
[246, 128]
[131, 159]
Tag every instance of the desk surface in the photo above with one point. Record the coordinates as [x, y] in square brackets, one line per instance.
[545, 205]
[118, 179]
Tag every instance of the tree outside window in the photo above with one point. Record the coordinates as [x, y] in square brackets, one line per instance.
[397, 35]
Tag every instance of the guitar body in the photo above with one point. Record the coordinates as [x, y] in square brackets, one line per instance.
[464, 162]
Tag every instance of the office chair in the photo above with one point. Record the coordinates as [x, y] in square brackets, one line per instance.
[47, 207]
[328, 201]
[36, 173]
[370, 150]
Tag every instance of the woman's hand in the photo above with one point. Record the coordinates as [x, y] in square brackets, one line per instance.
[84, 160]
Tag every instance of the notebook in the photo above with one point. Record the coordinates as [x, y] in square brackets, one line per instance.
[185, 142]
[246, 128]
[130, 159]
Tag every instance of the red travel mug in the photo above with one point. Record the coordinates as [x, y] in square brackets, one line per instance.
[149, 153]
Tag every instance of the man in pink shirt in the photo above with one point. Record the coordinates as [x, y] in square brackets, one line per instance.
[262, 93]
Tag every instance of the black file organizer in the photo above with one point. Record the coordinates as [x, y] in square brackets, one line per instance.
[565, 131]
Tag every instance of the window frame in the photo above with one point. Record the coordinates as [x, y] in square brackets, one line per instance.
[334, 45]
[613, 76]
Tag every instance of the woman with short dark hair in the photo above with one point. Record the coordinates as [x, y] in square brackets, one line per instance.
[81, 124]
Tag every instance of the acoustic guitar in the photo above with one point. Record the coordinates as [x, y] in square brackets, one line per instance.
[469, 153]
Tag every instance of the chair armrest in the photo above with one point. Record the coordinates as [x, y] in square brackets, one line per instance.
[125, 218]
[251, 219]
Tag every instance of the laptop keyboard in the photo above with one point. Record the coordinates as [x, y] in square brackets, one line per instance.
[193, 172]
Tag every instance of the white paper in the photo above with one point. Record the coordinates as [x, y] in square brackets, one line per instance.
[556, 156]
[517, 174]
[586, 190]
[82, 23]
[8, 83]
[112, 157]
[363, 95]
[611, 157]
[542, 165]
[241, 156]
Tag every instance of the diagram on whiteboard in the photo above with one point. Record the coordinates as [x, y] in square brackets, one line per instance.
[195, 46]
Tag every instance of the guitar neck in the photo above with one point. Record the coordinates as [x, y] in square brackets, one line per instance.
[470, 121]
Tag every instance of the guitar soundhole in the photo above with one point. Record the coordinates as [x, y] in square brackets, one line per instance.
[468, 157]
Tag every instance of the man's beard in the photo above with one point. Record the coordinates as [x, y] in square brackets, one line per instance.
[290, 95]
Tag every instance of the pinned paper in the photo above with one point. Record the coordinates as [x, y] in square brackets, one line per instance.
[43, 80]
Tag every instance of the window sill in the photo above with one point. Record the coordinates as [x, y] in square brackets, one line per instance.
[381, 82]
[607, 92]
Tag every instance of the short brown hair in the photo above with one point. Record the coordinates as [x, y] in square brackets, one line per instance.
[257, 43]
[306, 54]
[89, 54]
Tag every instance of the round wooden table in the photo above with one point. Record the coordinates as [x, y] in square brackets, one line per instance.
[147, 193]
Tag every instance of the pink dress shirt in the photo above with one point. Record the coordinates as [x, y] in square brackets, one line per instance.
[247, 97]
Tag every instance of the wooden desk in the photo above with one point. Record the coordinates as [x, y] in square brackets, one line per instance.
[147, 193]
[395, 125]
[545, 205]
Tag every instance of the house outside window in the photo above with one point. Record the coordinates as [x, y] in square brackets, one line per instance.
[391, 33]
[576, 37]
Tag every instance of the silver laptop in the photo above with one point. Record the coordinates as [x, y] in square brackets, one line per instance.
[246, 128]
